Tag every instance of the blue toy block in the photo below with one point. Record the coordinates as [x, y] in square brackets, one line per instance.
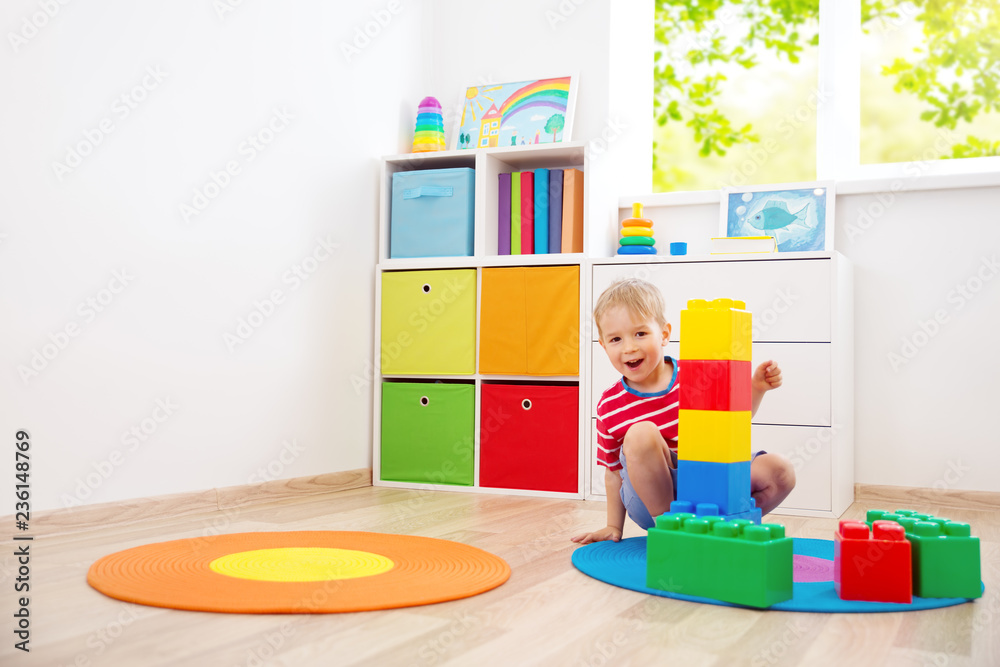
[724, 484]
[732, 561]
[705, 510]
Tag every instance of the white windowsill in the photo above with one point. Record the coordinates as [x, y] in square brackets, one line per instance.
[902, 182]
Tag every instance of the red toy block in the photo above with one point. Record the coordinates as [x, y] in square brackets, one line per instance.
[875, 567]
[715, 384]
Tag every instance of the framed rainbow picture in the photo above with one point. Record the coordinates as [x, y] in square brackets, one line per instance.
[538, 111]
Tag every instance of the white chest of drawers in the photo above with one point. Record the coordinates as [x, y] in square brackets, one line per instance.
[803, 310]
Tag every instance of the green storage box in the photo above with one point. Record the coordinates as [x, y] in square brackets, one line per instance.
[427, 433]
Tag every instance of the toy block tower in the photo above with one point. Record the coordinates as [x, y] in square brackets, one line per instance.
[713, 468]
[733, 561]
[873, 567]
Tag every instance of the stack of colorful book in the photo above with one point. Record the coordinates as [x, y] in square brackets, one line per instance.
[539, 212]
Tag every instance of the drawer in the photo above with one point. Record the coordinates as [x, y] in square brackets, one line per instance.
[432, 213]
[803, 399]
[810, 451]
[530, 321]
[790, 299]
[529, 437]
[427, 433]
[428, 322]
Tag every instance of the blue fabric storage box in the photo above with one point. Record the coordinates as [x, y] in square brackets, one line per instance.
[432, 213]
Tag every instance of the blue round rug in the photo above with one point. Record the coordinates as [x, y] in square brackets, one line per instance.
[624, 564]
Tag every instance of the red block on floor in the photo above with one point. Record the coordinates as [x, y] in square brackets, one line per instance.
[875, 567]
[715, 384]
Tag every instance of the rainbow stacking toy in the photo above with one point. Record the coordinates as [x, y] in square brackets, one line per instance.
[429, 134]
[637, 234]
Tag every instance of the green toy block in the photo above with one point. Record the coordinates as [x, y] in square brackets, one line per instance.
[945, 560]
[733, 561]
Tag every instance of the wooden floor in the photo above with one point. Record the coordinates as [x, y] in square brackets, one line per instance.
[548, 613]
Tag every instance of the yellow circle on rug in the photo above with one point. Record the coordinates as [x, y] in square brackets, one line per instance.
[301, 564]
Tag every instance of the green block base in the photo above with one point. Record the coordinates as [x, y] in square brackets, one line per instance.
[732, 561]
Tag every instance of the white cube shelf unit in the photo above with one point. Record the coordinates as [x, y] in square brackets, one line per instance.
[440, 421]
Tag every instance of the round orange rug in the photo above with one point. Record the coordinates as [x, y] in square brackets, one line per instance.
[297, 572]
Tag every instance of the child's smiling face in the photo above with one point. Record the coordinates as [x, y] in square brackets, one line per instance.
[635, 347]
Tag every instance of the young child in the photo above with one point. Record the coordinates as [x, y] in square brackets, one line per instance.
[637, 417]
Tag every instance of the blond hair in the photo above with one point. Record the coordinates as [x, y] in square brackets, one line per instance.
[639, 297]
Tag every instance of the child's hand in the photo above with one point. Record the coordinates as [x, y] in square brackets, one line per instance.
[767, 376]
[606, 533]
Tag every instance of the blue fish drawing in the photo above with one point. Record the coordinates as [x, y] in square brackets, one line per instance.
[775, 215]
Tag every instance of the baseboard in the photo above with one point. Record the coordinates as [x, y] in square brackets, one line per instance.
[905, 497]
[88, 517]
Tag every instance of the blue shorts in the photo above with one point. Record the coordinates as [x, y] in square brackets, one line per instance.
[633, 505]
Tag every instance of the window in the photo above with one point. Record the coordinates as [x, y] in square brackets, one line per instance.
[767, 92]
[930, 80]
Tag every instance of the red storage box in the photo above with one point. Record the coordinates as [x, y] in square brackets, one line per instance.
[529, 437]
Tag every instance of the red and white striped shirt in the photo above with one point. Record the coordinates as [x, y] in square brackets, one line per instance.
[621, 406]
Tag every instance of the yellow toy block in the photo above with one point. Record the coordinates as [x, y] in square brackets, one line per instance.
[714, 436]
[717, 329]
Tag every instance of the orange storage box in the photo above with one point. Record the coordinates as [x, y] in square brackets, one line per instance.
[530, 321]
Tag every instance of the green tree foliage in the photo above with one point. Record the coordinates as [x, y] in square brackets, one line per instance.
[555, 124]
[956, 72]
[686, 90]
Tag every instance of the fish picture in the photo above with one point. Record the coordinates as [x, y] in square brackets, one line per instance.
[796, 216]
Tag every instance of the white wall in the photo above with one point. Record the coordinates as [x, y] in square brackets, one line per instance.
[927, 312]
[475, 43]
[293, 399]
[151, 354]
